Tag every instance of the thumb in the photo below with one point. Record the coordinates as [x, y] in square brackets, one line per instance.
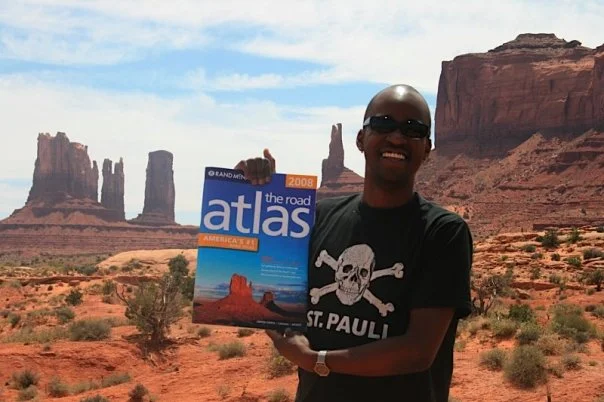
[267, 155]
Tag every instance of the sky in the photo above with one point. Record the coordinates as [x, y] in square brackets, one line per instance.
[217, 81]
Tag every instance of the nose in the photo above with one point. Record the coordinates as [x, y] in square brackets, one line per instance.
[397, 137]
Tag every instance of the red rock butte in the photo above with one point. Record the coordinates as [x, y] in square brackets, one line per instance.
[62, 214]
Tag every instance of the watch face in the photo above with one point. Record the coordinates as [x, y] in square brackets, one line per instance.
[321, 369]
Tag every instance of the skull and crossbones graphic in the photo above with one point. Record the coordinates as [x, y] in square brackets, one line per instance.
[354, 271]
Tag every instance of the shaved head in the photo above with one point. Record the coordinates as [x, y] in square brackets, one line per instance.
[402, 93]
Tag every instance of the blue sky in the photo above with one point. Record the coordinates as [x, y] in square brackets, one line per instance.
[214, 82]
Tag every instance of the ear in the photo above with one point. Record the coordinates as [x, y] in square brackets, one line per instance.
[360, 138]
[427, 149]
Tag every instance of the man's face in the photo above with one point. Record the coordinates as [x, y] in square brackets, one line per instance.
[393, 158]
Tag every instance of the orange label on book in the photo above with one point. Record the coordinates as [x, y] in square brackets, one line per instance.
[300, 181]
[228, 241]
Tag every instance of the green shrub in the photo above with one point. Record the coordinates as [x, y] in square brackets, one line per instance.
[550, 239]
[573, 261]
[115, 379]
[598, 311]
[535, 273]
[600, 229]
[571, 362]
[28, 393]
[574, 236]
[504, 328]
[24, 379]
[137, 393]
[243, 332]
[493, 359]
[537, 256]
[555, 257]
[108, 287]
[529, 248]
[525, 368]
[231, 349]
[64, 314]
[89, 330]
[204, 332]
[13, 319]
[521, 313]
[279, 395]
[96, 398]
[279, 366]
[86, 270]
[569, 321]
[57, 388]
[529, 333]
[74, 297]
[592, 253]
[596, 278]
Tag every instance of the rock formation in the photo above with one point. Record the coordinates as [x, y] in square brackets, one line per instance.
[336, 179]
[63, 169]
[159, 191]
[489, 103]
[518, 131]
[239, 286]
[112, 192]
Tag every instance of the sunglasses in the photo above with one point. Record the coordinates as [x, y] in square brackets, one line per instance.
[386, 124]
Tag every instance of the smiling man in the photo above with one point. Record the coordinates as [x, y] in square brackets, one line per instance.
[389, 273]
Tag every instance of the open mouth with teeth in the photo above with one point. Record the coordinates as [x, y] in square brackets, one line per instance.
[394, 155]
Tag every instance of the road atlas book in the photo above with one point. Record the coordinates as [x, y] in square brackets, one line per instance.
[252, 258]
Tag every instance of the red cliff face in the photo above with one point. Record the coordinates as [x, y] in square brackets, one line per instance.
[336, 179]
[488, 103]
[112, 192]
[63, 169]
[159, 191]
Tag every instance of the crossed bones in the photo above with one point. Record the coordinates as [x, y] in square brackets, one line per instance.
[324, 258]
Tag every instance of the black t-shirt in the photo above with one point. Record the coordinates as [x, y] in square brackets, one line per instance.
[368, 268]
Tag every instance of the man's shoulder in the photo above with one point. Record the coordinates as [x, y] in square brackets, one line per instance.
[435, 215]
[326, 207]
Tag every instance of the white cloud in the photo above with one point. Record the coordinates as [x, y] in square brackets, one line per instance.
[197, 130]
[399, 41]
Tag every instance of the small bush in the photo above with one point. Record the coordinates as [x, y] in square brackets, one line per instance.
[279, 366]
[115, 379]
[573, 261]
[64, 314]
[537, 256]
[600, 229]
[592, 253]
[96, 398]
[137, 393]
[571, 362]
[574, 236]
[108, 287]
[596, 278]
[569, 322]
[529, 333]
[74, 297]
[598, 311]
[521, 313]
[550, 239]
[89, 330]
[243, 332]
[28, 393]
[555, 257]
[535, 273]
[204, 332]
[57, 388]
[504, 328]
[493, 359]
[13, 319]
[279, 395]
[526, 367]
[529, 248]
[86, 270]
[230, 350]
[24, 379]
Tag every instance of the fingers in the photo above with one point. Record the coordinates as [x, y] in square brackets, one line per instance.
[258, 170]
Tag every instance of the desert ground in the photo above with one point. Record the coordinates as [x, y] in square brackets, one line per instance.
[64, 334]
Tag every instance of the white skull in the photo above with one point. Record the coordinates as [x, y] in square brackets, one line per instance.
[353, 274]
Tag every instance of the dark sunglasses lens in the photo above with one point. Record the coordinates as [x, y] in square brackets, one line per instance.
[383, 124]
[416, 130]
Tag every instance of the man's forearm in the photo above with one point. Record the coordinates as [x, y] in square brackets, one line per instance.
[392, 356]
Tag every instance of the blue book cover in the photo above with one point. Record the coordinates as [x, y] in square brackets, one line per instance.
[252, 258]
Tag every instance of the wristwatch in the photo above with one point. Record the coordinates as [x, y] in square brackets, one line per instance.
[320, 366]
